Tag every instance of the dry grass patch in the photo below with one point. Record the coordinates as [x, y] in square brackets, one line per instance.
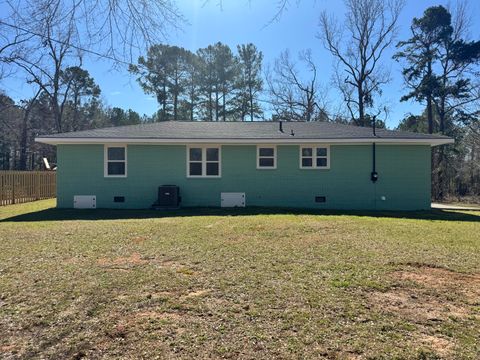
[445, 281]
[441, 346]
[425, 293]
[431, 297]
[417, 306]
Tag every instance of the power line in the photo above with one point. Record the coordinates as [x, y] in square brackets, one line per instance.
[64, 43]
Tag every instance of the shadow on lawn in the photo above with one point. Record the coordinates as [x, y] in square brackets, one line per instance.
[104, 214]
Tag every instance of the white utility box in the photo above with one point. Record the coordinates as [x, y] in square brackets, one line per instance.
[84, 201]
[231, 199]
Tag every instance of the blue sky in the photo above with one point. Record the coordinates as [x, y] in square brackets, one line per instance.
[243, 21]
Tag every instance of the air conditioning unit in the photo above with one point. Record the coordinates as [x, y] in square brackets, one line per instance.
[168, 197]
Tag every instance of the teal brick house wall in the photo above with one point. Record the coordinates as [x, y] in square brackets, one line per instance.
[274, 164]
[403, 184]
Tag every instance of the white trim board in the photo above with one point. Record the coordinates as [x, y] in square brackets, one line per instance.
[292, 141]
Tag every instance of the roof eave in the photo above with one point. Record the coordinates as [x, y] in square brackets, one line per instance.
[293, 140]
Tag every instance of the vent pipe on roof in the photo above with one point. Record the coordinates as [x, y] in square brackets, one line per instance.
[280, 125]
[292, 133]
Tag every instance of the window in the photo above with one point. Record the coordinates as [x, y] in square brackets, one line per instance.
[314, 157]
[115, 161]
[203, 161]
[266, 157]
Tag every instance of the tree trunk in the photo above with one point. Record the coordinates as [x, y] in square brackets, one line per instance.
[192, 104]
[57, 116]
[75, 110]
[250, 99]
[361, 109]
[429, 99]
[175, 103]
[216, 105]
[164, 103]
[175, 97]
[442, 115]
[22, 165]
[224, 107]
[430, 114]
[210, 106]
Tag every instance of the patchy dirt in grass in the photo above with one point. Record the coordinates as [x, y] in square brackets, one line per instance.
[197, 293]
[159, 315]
[428, 295]
[136, 259]
[425, 293]
[7, 348]
[442, 346]
[444, 280]
[72, 261]
[133, 260]
[417, 307]
[135, 323]
[139, 239]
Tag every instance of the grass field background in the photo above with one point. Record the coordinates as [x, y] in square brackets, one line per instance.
[250, 284]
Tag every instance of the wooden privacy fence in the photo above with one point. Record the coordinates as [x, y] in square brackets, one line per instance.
[24, 186]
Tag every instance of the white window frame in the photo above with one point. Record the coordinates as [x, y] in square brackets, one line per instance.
[204, 161]
[274, 147]
[314, 157]
[106, 161]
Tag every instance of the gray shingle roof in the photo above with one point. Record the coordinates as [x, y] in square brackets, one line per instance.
[178, 130]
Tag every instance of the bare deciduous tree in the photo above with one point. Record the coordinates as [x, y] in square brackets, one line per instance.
[46, 60]
[291, 96]
[12, 46]
[358, 45]
[116, 29]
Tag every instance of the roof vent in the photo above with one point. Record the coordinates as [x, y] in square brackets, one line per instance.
[292, 133]
[280, 125]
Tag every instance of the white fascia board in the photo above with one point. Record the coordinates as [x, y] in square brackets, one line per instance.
[140, 141]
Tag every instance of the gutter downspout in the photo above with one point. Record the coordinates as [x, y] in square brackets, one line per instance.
[374, 174]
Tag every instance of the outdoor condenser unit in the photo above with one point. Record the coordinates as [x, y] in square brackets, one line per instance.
[168, 197]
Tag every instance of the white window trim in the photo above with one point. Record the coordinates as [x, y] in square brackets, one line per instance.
[314, 157]
[274, 157]
[204, 161]
[106, 161]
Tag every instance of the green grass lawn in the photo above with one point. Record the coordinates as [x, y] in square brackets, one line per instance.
[249, 284]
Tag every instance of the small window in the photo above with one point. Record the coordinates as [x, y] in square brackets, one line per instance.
[203, 161]
[266, 157]
[315, 157]
[115, 161]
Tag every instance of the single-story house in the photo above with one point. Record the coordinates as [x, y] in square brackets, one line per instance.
[273, 164]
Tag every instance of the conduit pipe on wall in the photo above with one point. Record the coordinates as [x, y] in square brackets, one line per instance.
[374, 174]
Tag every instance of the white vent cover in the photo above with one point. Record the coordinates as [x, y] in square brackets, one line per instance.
[232, 199]
[84, 201]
